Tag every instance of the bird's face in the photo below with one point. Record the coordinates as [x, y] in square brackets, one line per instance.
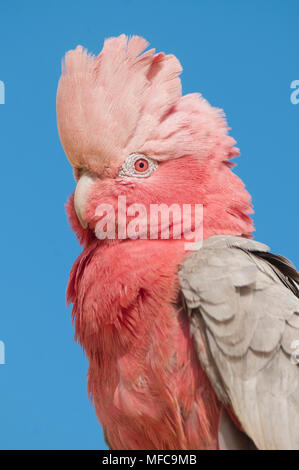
[134, 141]
[140, 185]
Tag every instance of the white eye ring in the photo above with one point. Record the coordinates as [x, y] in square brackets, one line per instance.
[128, 167]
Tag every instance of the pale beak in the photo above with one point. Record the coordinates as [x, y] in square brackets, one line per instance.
[81, 195]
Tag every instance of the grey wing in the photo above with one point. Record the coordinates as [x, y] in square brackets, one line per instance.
[244, 317]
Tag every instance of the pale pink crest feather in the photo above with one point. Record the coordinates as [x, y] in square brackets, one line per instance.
[126, 100]
[107, 105]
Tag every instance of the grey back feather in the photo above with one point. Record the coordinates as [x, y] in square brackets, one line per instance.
[243, 306]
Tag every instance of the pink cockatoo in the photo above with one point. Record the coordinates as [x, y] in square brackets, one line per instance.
[187, 349]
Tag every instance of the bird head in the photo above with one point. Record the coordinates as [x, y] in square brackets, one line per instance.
[129, 133]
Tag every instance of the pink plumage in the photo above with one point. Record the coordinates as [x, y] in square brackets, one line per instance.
[147, 385]
[124, 100]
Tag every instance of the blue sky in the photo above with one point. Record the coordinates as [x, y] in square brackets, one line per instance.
[241, 55]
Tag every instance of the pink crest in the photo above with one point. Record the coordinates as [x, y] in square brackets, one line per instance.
[126, 100]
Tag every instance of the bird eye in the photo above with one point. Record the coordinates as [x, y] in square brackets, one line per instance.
[137, 166]
[141, 165]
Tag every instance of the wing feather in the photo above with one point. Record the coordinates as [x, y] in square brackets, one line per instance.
[244, 317]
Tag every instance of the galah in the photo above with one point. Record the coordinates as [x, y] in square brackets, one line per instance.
[187, 349]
